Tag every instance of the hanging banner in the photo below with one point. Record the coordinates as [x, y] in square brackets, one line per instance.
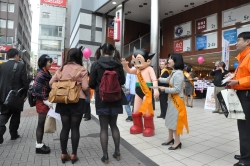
[210, 99]
[225, 53]
[61, 3]
[5, 48]
[111, 27]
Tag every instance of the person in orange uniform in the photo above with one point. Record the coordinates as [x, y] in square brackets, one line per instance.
[87, 115]
[241, 83]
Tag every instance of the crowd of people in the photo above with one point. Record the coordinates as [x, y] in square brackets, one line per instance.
[174, 84]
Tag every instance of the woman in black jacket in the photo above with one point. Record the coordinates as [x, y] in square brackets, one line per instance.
[107, 111]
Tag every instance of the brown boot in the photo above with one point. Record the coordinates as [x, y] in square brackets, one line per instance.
[65, 157]
[73, 158]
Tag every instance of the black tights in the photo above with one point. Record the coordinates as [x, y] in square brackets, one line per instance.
[70, 122]
[40, 128]
[106, 120]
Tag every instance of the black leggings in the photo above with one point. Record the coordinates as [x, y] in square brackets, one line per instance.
[106, 120]
[40, 128]
[70, 122]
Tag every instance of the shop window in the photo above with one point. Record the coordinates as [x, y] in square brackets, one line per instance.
[3, 40]
[3, 56]
[3, 6]
[50, 45]
[9, 40]
[46, 15]
[11, 8]
[2, 23]
[10, 24]
[48, 30]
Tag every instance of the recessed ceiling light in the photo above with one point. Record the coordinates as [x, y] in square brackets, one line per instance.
[213, 62]
[186, 6]
[140, 6]
[170, 11]
[166, 13]
[191, 3]
[126, 13]
[114, 3]
[145, 3]
[129, 12]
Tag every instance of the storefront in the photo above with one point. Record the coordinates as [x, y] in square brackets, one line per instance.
[3, 53]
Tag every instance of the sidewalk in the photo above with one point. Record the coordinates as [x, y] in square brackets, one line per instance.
[212, 141]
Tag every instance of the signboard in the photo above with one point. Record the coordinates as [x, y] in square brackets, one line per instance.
[111, 32]
[225, 53]
[210, 99]
[182, 30]
[231, 35]
[4, 48]
[61, 3]
[236, 15]
[207, 41]
[206, 24]
[178, 46]
[182, 45]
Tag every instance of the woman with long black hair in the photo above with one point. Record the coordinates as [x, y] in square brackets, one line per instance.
[71, 114]
[107, 111]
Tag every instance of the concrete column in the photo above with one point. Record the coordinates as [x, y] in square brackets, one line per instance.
[154, 36]
[120, 44]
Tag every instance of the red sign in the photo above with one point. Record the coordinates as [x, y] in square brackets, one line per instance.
[201, 25]
[178, 46]
[61, 3]
[5, 48]
[110, 32]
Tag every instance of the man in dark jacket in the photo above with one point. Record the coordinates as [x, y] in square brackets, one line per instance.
[163, 96]
[218, 72]
[19, 81]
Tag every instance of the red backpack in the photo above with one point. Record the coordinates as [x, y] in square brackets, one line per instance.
[110, 89]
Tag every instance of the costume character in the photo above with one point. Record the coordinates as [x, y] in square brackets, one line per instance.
[143, 104]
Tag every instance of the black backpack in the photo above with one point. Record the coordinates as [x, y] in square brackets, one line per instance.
[31, 98]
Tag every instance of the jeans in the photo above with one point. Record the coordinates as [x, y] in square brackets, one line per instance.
[128, 110]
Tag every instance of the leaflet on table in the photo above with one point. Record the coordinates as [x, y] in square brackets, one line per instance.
[227, 79]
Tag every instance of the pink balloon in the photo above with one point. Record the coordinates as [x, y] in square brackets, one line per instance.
[200, 60]
[87, 53]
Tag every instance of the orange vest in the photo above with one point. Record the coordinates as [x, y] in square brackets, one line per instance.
[242, 73]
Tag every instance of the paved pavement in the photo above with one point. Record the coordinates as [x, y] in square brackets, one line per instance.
[213, 140]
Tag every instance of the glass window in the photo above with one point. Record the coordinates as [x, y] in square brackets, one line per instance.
[51, 45]
[46, 15]
[9, 40]
[10, 24]
[2, 56]
[50, 30]
[11, 8]
[3, 6]
[2, 23]
[3, 40]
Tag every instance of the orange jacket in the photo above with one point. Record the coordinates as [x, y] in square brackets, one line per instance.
[243, 73]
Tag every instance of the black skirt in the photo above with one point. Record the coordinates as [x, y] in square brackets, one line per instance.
[72, 108]
[109, 111]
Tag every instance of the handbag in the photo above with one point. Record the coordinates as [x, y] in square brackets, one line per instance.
[65, 90]
[31, 98]
[230, 104]
[15, 99]
[50, 125]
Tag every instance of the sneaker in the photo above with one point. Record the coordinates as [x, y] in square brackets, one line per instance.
[43, 150]
[129, 119]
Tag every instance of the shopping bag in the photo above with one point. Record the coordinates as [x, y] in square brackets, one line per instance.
[50, 125]
[230, 104]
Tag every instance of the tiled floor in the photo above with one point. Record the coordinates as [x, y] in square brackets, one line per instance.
[213, 139]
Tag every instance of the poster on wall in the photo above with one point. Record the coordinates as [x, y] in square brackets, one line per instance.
[232, 34]
[183, 30]
[236, 15]
[111, 27]
[210, 99]
[182, 45]
[206, 23]
[207, 41]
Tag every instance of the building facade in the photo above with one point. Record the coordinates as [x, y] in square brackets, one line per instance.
[15, 24]
[51, 37]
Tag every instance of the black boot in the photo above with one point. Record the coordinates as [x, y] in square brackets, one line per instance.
[43, 150]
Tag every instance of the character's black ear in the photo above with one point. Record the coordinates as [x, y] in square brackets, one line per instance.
[151, 55]
[135, 49]
[81, 48]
